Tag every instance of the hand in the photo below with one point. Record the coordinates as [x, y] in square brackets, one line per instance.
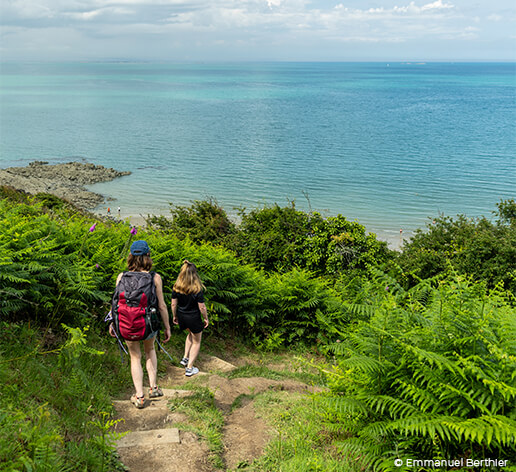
[175, 320]
[206, 322]
[167, 335]
[112, 330]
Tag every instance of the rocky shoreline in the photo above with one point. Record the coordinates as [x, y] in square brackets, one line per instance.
[63, 180]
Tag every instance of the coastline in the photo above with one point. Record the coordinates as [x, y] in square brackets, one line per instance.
[393, 239]
[66, 180]
[69, 181]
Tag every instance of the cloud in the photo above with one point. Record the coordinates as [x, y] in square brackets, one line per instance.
[254, 10]
[495, 17]
[259, 24]
[20, 11]
[273, 3]
[24, 10]
[437, 5]
[95, 14]
[411, 8]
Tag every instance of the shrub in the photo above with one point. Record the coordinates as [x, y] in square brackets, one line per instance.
[303, 309]
[62, 267]
[272, 237]
[473, 246]
[276, 238]
[282, 238]
[42, 275]
[204, 220]
[56, 401]
[430, 375]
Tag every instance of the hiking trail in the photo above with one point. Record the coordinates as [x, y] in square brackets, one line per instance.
[154, 442]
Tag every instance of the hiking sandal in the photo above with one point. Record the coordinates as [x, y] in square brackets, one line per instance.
[155, 392]
[138, 402]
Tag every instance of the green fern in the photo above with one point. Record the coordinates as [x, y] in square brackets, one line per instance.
[431, 373]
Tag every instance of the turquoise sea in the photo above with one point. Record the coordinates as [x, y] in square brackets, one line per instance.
[390, 145]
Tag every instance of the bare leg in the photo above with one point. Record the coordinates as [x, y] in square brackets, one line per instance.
[195, 348]
[188, 344]
[151, 361]
[136, 366]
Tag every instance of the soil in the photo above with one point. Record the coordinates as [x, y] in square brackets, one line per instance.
[245, 434]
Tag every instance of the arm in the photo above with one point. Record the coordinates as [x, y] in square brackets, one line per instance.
[174, 311]
[162, 306]
[204, 313]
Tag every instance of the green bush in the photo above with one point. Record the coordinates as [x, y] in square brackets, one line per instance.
[43, 274]
[431, 374]
[303, 309]
[282, 238]
[421, 372]
[56, 400]
[474, 246]
[61, 267]
[337, 246]
[276, 238]
[202, 221]
[272, 237]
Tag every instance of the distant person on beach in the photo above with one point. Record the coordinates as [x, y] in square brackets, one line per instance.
[189, 312]
[118, 211]
[140, 262]
[108, 210]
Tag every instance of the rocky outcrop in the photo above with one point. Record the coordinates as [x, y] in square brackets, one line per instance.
[64, 180]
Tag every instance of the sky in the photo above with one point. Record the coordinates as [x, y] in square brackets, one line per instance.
[258, 30]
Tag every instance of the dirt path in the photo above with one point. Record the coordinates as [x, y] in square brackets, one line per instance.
[154, 443]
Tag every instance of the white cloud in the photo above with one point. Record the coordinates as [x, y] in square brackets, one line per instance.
[413, 8]
[255, 9]
[396, 11]
[273, 3]
[92, 14]
[437, 5]
[26, 10]
[469, 33]
[294, 24]
[495, 17]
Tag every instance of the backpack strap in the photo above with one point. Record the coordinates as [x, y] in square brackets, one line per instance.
[114, 305]
[154, 293]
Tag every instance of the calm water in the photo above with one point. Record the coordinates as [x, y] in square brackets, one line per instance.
[387, 144]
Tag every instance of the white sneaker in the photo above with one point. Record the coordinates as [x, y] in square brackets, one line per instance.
[189, 371]
[184, 361]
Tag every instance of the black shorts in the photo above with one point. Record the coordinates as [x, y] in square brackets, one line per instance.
[191, 321]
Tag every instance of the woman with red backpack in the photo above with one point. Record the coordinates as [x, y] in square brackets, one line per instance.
[137, 305]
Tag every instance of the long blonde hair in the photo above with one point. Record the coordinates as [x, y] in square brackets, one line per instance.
[188, 280]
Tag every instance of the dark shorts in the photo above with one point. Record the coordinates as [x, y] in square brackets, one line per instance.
[193, 322]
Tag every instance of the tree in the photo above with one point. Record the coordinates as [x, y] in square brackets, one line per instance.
[474, 246]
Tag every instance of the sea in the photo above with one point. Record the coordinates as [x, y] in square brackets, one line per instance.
[390, 145]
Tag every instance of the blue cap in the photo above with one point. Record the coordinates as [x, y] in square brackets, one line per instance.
[140, 248]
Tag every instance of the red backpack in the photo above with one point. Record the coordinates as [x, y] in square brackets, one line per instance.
[135, 306]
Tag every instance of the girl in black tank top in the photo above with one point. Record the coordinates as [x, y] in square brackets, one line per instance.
[189, 312]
